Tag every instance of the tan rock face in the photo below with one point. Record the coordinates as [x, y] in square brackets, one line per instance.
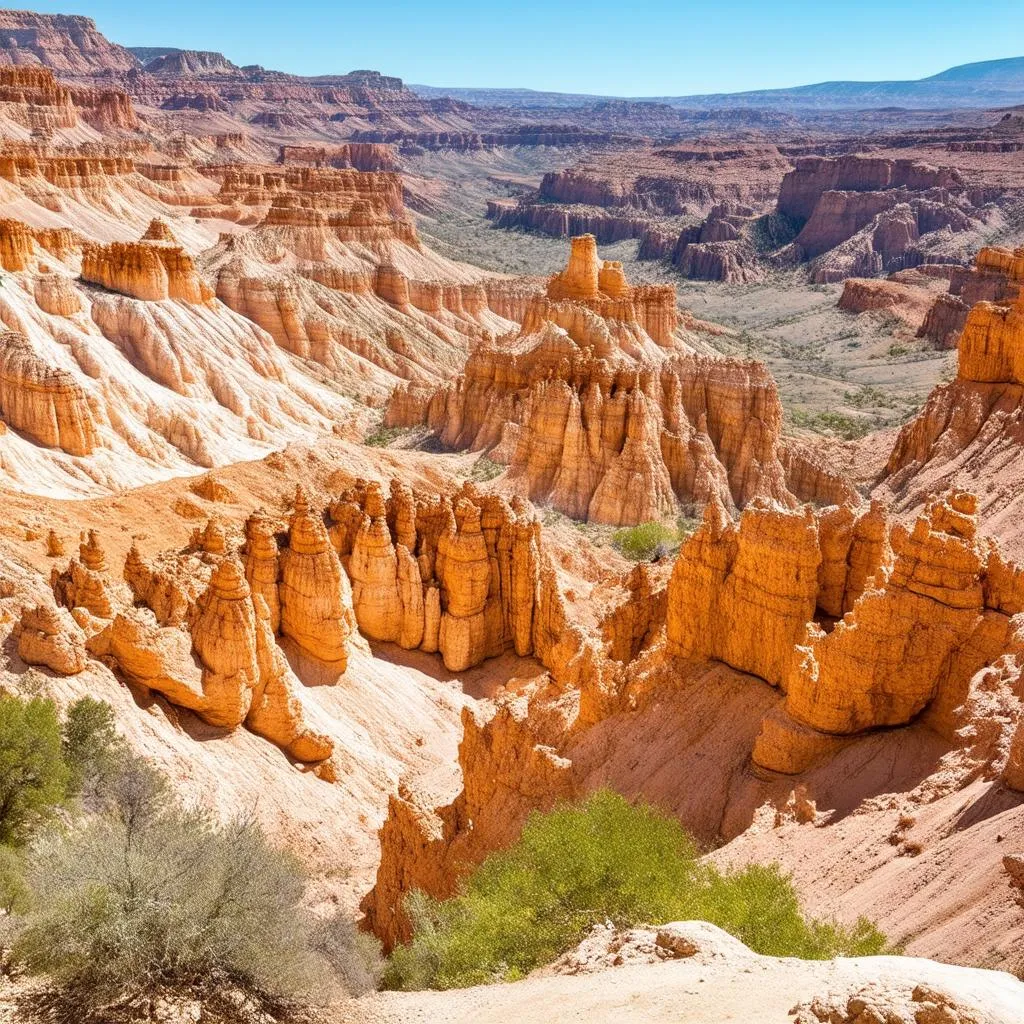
[462, 576]
[44, 402]
[315, 594]
[593, 417]
[51, 639]
[220, 658]
[743, 594]
[978, 412]
[145, 270]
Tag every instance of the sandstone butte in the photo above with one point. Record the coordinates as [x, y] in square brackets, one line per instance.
[598, 406]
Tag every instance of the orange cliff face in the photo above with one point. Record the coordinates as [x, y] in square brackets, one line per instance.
[591, 412]
[968, 432]
[145, 270]
[796, 640]
[33, 104]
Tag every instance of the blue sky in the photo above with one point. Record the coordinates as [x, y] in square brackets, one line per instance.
[609, 47]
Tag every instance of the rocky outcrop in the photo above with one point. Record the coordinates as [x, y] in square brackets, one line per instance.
[594, 418]
[859, 216]
[977, 411]
[46, 403]
[229, 672]
[812, 177]
[744, 593]
[363, 156]
[997, 275]
[145, 270]
[315, 594]
[63, 42]
[930, 615]
[51, 639]
[461, 575]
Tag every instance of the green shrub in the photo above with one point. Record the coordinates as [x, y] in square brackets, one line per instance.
[33, 775]
[149, 895]
[14, 893]
[601, 860]
[382, 437]
[92, 749]
[641, 543]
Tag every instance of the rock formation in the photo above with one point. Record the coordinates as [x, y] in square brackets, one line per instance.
[592, 416]
[144, 271]
[996, 276]
[46, 403]
[860, 215]
[463, 576]
[51, 639]
[314, 592]
[965, 423]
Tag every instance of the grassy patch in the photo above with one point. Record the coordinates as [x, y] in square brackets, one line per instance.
[604, 859]
[652, 540]
[836, 423]
[384, 437]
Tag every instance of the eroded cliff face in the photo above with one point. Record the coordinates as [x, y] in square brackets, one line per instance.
[593, 411]
[836, 624]
[968, 431]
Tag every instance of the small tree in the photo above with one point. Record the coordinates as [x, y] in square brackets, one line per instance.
[33, 775]
[92, 748]
[149, 895]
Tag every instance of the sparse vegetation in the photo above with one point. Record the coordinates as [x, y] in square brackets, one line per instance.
[603, 859]
[383, 437]
[141, 894]
[485, 469]
[653, 540]
[149, 895]
[827, 422]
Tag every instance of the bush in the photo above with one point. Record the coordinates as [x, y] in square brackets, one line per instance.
[641, 543]
[14, 894]
[148, 895]
[383, 437]
[91, 747]
[485, 469]
[33, 775]
[601, 860]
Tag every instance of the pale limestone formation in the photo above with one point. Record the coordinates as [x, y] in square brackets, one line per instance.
[465, 579]
[52, 639]
[744, 593]
[923, 610]
[229, 672]
[593, 418]
[262, 565]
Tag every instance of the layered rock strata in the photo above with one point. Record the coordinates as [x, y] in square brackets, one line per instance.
[594, 418]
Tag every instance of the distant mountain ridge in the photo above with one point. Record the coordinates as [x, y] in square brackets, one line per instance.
[992, 83]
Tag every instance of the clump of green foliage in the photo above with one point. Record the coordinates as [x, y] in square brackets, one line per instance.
[383, 437]
[603, 859]
[653, 540]
[139, 893]
[837, 423]
[33, 773]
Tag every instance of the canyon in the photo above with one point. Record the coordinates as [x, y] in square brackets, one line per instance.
[328, 412]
